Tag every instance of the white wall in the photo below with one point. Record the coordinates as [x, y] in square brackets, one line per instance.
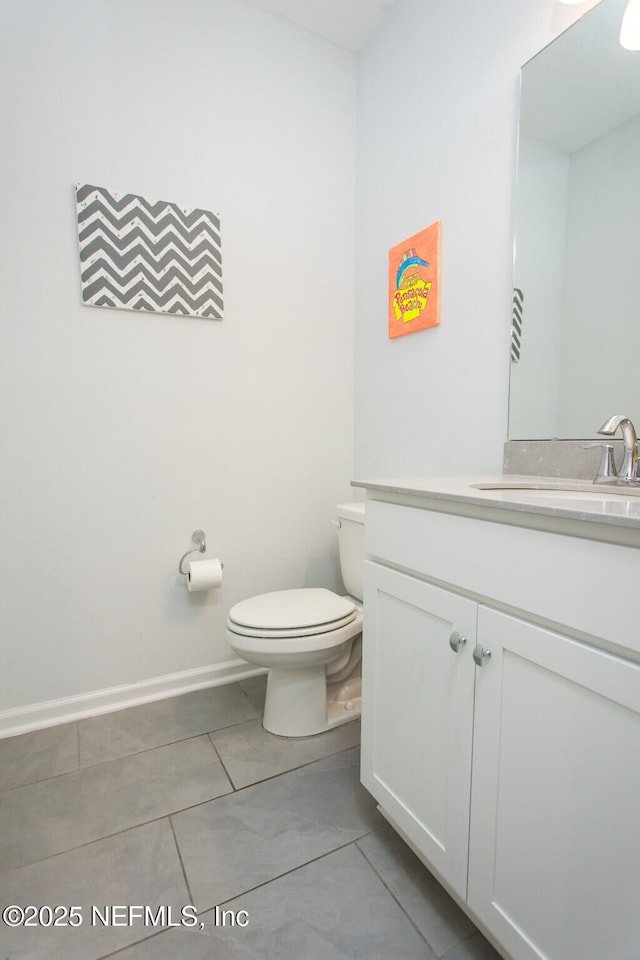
[437, 120]
[124, 432]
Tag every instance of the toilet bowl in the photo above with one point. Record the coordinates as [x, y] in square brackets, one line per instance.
[310, 641]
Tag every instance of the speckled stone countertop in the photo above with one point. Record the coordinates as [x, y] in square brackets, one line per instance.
[523, 500]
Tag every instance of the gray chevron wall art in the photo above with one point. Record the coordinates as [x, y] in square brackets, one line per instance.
[138, 254]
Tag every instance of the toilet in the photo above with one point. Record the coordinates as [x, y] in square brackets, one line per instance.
[311, 641]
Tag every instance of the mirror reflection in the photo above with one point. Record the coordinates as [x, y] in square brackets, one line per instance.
[577, 243]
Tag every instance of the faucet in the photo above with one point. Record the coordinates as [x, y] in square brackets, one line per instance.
[629, 468]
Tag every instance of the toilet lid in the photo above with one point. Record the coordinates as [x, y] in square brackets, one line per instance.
[300, 609]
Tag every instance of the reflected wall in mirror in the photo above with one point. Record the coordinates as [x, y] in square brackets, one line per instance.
[577, 244]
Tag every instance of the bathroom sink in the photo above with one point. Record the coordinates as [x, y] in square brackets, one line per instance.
[517, 489]
[571, 495]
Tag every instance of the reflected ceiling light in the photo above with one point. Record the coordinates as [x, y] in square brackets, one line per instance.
[630, 29]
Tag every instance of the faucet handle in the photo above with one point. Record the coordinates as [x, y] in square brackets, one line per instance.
[607, 472]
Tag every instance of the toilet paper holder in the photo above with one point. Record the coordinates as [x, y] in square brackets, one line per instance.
[198, 536]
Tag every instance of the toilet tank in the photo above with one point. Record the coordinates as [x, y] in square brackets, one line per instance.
[351, 546]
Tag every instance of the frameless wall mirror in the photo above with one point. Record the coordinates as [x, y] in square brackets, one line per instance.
[577, 244]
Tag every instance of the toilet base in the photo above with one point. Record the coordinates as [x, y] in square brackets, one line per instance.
[299, 704]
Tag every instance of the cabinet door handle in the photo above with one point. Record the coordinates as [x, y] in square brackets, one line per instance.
[456, 640]
[480, 654]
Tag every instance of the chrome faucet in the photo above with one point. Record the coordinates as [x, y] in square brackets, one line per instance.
[628, 471]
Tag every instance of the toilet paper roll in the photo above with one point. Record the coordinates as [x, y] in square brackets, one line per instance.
[203, 575]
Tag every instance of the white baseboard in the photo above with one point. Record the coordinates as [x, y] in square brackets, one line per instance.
[50, 713]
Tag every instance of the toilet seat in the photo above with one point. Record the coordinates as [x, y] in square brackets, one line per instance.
[304, 612]
[273, 650]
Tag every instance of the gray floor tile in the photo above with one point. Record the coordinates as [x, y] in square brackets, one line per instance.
[140, 866]
[251, 754]
[184, 944]
[150, 725]
[475, 948]
[38, 755]
[438, 918]
[233, 844]
[256, 689]
[45, 818]
[305, 852]
[333, 909]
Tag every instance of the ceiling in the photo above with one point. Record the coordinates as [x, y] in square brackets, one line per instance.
[347, 23]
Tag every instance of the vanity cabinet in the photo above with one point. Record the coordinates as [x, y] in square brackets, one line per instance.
[515, 778]
[418, 719]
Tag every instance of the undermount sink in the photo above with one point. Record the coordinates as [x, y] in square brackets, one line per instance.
[516, 489]
[619, 499]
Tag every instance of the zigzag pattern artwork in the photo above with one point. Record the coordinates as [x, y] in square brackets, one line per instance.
[137, 254]
[516, 324]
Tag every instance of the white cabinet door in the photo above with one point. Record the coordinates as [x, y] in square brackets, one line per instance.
[417, 714]
[554, 856]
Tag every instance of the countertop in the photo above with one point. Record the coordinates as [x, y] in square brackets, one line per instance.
[598, 511]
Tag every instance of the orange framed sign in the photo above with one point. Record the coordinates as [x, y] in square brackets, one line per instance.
[414, 282]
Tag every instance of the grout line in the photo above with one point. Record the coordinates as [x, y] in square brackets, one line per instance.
[222, 763]
[278, 876]
[256, 706]
[394, 897]
[102, 763]
[168, 743]
[182, 867]
[52, 776]
[88, 843]
[300, 766]
[33, 783]
[136, 943]
[77, 725]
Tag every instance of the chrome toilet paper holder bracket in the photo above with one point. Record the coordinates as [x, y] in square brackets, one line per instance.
[198, 537]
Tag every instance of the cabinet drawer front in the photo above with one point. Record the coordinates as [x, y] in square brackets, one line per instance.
[552, 577]
[555, 787]
[417, 707]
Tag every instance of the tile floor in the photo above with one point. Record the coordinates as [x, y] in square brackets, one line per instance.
[188, 802]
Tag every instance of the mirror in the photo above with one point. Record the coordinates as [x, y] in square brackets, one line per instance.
[577, 246]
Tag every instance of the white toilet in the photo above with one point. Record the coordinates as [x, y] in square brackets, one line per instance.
[311, 641]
